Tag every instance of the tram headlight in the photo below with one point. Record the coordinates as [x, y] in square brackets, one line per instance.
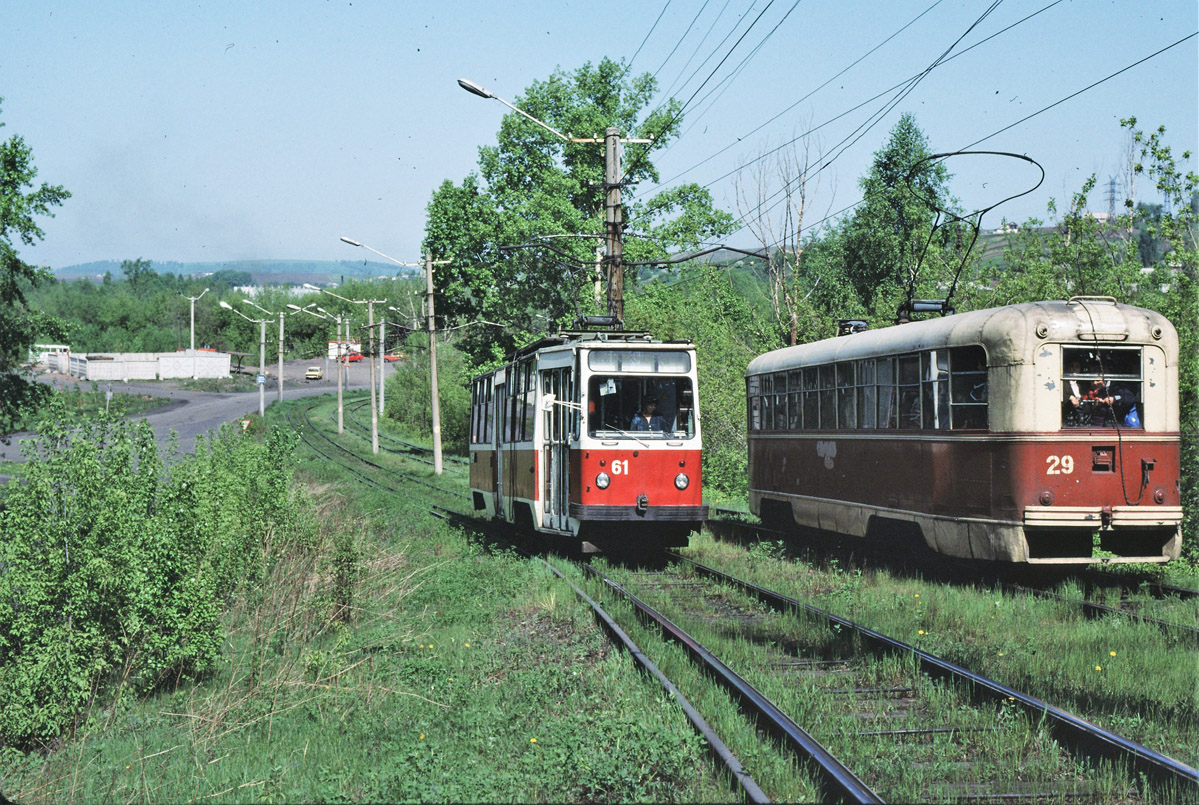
[602, 480]
[681, 481]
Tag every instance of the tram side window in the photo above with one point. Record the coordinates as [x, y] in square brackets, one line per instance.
[908, 388]
[474, 411]
[752, 388]
[480, 417]
[847, 411]
[867, 395]
[794, 399]
[888, 415]
[828, 396]
[811, 399]
[767, 402]
[530, 406]
[1102, 387]
[934, 373]
[968, 388]
[488, 412]
[780, 401]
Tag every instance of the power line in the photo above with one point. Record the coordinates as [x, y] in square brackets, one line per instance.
[727, 81]
[647, 36]
[695, 52]
[848, 111]
[679, 113]
[679, 44]
[906, 89]
[1027, 117]
[1084, 89]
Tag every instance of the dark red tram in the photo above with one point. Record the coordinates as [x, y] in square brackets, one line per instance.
[1016, 434]
[592, 438]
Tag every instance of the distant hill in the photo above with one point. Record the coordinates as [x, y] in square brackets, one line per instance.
[264, 272]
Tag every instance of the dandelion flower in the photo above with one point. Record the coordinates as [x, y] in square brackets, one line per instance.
[422, 736]
[532, 740]
[1001, 654]
[1112, 653]
[921, 632]
[917, 595]
[468, 645]
[1098, 667]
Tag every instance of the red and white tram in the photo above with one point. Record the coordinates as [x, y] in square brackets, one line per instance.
[561, 444]
[1045, 432]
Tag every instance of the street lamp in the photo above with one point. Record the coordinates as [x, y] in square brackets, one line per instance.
[613, 211]
[370, 327]
[280, 314]
[435, 403]
[193, 300]
[261, 355]
[324, 314]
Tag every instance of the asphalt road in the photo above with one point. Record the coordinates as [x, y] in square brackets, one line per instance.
[192, 413]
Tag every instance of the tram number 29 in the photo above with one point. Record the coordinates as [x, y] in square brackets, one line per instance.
[620, 467]
[1060, 465]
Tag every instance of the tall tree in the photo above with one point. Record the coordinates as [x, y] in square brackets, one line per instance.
[20, 203]
[889, 241]
[521, 234]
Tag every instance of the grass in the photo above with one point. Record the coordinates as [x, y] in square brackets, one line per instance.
[78, 404]
[219, 385]
[404, 660]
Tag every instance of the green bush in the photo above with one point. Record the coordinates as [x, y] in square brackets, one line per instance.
[408, 396]
[114, 570]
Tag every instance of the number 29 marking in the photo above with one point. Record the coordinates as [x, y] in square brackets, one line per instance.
[1060, 465]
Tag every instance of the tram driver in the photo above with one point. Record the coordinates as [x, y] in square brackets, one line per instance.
[648, 417]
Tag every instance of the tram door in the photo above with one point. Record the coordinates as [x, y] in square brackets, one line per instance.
[500, 401]
[556, 419]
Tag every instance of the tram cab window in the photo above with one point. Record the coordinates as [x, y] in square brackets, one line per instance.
[614, 401]
[1101, 387]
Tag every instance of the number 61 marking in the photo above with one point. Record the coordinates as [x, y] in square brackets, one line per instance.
[1060, 465]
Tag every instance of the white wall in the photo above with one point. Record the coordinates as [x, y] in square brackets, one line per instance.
[150, 365]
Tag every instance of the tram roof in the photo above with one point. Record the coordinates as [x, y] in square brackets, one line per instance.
[1008, 333]
[596, 338]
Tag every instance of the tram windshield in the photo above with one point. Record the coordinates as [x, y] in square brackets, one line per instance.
[1101, 387]
[628, 406]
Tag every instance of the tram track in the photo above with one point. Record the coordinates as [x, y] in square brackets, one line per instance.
[307, 430]
[409, 449]
[1084, 739]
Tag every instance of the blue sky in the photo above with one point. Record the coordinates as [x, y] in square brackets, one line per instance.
[268, 130]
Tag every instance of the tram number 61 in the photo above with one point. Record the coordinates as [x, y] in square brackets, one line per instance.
[1060, 465]
[620, 467]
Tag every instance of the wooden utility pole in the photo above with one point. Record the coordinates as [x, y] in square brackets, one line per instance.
[433, 364]
[614, 224]
[614, 221]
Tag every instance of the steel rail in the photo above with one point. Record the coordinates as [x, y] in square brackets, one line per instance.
[1070, 729]
[838, 781]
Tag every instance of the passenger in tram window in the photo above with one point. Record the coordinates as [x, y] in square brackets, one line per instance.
[1122, 400]
[648, 417]
[979, 391]
[1079, 395]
